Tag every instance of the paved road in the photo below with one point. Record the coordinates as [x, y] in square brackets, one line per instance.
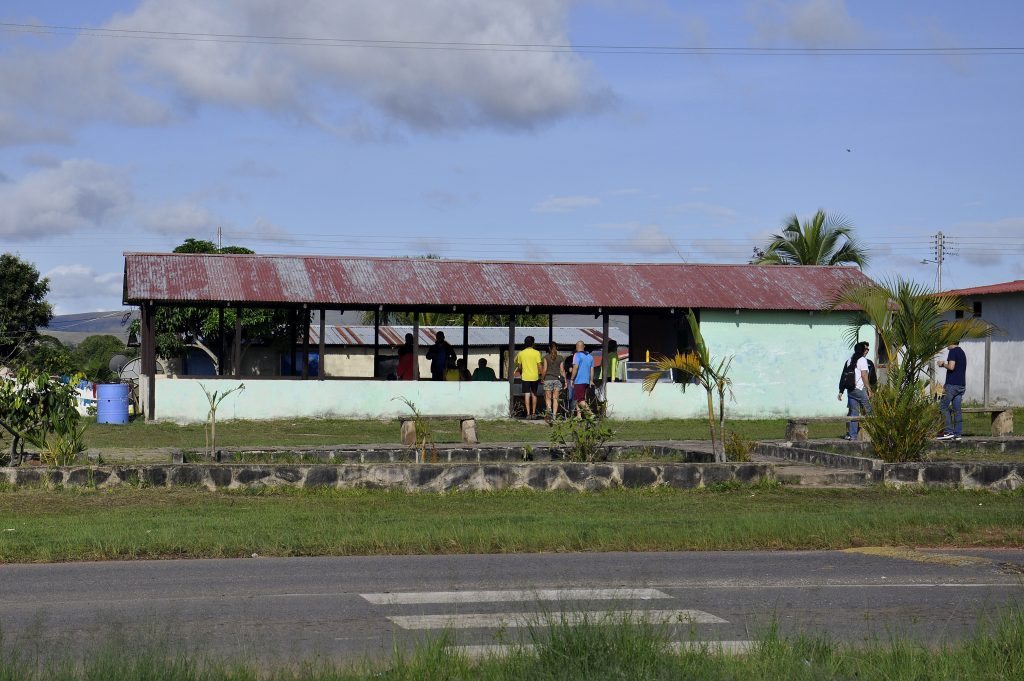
[284, 608]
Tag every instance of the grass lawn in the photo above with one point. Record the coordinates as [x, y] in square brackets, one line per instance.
[125, 523]
[319, 432]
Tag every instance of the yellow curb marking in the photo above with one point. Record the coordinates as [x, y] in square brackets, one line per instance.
[905, 553]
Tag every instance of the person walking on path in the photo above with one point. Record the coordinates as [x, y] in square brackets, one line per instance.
[529, 360]
[553, 374]
[856, 382]
[582, 375]
[441, 356]
[955, 365]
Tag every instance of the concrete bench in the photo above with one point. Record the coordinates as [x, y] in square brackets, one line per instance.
[467, 426]
[1002, 418]
[796, 429]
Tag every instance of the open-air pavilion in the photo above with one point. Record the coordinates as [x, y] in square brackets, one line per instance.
[787, 351]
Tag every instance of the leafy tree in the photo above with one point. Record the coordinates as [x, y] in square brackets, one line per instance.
[47, 355]
[178, 328]
[23, 306]
[92, 357]
[827, 239]
[41, 411]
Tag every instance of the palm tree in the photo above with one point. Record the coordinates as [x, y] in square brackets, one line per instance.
[911, 321]
[709, 372]
[827, 239]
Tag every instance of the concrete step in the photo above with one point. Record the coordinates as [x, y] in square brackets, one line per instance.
[816, 476]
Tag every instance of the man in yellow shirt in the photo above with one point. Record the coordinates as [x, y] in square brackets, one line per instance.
[528, 360]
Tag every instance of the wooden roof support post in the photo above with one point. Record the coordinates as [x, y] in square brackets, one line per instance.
[236, 354]
[415, 346]
[376, 341]
[221, 351]
[148, 324]
[292, 351]
[465, 342]
[321, 366]
[510, 369]
[606, 362]
[305, 342]
[551, 329]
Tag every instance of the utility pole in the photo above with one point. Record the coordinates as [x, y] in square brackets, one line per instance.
[940, 252]
[220, 236]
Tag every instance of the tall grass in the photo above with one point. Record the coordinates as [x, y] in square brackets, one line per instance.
[584, 652]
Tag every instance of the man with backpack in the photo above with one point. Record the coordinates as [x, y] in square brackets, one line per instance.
[856, 382]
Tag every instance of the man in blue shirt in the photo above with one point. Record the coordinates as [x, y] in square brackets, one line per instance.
[956, 383]
[582, 374]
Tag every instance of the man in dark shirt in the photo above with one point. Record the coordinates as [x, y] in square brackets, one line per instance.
[953, 393]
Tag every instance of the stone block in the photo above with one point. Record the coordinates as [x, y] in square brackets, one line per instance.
[290, 474]
[87, 476]
[421, 476]
[220, 476]
[1002, 423]
[188, 475]
[153, 476]
[681, 476]
[713, 474]
[899, 472]
[943, 473]
[638, 475]
[321, 476]
[469, 431]
[408, 433]
[247, 476]
[540, 477]
[796, 431]
[987, 474]
[750, 472]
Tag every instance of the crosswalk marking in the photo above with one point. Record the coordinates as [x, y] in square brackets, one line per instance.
[509, 596]
[713, 647]
[523, 619]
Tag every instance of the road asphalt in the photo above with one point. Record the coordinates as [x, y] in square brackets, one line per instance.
[345, 608]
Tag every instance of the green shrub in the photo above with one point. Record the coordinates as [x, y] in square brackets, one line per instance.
[903, 420]
[738, 448]
[584, 436]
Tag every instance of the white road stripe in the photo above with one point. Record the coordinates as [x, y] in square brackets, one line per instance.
[713, 647]
[509, 596]
[524, 619]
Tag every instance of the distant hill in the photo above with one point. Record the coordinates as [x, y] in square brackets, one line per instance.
[72, 329]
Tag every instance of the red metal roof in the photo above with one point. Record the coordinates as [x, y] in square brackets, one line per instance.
[355, 283]
[1007, 287]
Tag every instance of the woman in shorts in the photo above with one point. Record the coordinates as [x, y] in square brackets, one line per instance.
[552, 373]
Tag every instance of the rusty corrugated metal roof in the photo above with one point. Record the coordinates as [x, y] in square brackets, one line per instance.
[355, 283]
[1016, 286]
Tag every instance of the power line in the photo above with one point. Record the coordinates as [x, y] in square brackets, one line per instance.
[364, 43]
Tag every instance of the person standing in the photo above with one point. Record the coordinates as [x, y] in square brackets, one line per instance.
[405, 359]
[553, 373]
[955, 365]
[582, 374]
[441, 356]
[857, 386]
[529, 360]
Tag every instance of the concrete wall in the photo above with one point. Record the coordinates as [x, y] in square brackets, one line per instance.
[183, 401]
[1006, 312]
[786, 363]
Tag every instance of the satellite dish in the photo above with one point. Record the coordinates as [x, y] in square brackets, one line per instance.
[117, 363]
[133, 369]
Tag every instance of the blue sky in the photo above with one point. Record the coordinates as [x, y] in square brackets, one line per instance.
[120, 142]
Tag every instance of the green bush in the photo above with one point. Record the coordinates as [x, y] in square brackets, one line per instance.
[903, 419]
[738, 448]
[584, 436]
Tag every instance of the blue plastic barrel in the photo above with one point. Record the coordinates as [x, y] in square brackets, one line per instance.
[112, 403]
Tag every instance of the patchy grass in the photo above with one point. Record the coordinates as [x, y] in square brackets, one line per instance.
[320, 432]
[557, 651]
[124, 523]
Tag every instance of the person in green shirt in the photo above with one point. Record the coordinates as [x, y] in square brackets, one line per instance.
[484, 372]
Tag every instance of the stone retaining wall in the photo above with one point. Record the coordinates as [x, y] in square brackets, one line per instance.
[446, 453]
[995, 476]
[820, 458]
[413, 478]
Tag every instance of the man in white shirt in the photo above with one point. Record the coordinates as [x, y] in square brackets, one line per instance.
[857, 396]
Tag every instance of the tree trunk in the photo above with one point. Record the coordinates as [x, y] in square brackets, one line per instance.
[711, 426]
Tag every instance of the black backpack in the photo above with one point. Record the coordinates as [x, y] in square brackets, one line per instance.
[872, 375]
[848, 379]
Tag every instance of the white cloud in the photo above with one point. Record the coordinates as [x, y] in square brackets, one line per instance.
[565, 204]
[76, 195]
[74, 288]
[805, 23]
[179, 218]
[342, 87]
[642, 239]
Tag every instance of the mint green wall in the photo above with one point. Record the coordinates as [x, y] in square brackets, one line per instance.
[183, 401]
[786, 363]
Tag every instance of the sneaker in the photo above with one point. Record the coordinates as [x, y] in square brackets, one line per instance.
[945, 436]
[957, 438]
[847, 437]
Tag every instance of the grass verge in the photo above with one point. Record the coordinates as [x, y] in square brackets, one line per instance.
[588, 651]
[319, 432]
[38, 525]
